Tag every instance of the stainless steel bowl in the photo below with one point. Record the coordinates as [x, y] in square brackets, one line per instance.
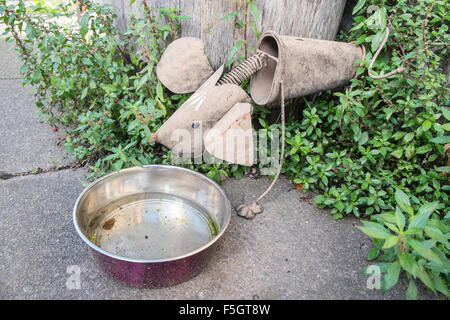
[152, 226]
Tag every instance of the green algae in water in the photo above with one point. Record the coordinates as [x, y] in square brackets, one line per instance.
[92, 238]
[213, 226]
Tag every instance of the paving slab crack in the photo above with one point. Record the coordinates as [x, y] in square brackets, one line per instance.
[7, 175]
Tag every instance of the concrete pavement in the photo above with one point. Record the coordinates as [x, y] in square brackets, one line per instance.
[27, 142]
[291, 251]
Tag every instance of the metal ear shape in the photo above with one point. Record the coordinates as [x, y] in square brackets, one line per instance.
[184, 66]
[231, 138]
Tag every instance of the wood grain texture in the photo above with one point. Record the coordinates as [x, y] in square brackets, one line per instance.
[317, 19]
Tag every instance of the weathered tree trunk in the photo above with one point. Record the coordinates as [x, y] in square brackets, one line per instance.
[317, 19]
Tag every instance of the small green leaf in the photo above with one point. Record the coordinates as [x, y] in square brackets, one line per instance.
[409, 137]
[441, 139]
[410, 55]
[84, 24]
[237, 46]
[446, 113]
[159, 91]
[128, 146]
[161, 107]
[390, 278]
[390, 242]
[254, 10]
[423, 275]
[358, 6]
[37, 76]
[147, 134]
[110, 157]
[440, 285]
[403, 202]
[408, 262]
[211, 174]
[399, 218]
[373, 254]
[377, 39]
[409, 151]
[425, 252]
[382, 18]
[420, 220]
[254, 29]
[446, 126]
[84, 93]
[426, 125]
[397, 153]
[436, 234]
[135, 162]
[230, 15]
[385, 217]
[363, 138]
[85, 183]
[181, 17]
[392, 227]
[134, 59]
[118, 165]
[424, 149]
[411, 292]
[374, 230]
[142, 81]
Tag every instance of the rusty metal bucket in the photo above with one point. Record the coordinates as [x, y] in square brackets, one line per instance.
[304, 65]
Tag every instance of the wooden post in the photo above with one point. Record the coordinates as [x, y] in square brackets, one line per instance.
[317, 19]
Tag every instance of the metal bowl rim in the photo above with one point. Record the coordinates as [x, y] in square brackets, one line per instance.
[204, 247]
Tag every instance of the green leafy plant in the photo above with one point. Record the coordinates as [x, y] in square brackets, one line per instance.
[445, 139]
[85, 81]
[413, 241]
[251, 16]
[46, 5]
[356, 145]
[99, 82]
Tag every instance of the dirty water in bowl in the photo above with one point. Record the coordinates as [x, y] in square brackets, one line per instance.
[151, 226]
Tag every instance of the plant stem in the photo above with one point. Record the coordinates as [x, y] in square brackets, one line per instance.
[245, 29]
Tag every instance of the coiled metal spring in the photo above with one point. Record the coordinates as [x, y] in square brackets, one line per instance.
[244, 70]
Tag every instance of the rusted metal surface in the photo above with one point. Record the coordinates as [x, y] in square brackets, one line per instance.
[231, 138]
